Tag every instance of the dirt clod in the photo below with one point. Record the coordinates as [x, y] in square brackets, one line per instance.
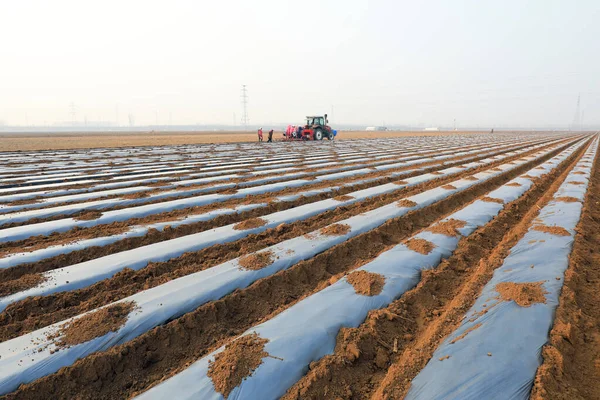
[567, 199]
[553, 230]
[251, 223]
[524, 294]
[237, 362]
[366, 283]
[420, 245]
[88, 216]
[406, 203]
[335, 230]
[492, 200]
[448, 228]
[256, 261]
[449, 187]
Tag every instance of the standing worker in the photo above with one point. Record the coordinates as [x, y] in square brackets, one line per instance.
[260, 136]
[270, 136]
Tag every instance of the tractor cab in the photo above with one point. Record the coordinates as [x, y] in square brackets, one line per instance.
[316, 128]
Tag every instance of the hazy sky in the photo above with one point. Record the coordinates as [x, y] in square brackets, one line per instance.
[483, 62]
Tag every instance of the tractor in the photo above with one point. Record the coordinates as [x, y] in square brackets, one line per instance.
[316, 128]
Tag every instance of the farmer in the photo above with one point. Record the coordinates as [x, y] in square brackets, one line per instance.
[270, 136]
[260, 135]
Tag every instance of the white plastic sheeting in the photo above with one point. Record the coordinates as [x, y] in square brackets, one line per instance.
[307, 331]
[61, 225]
[86, 273]
[321, 176]
[513, 335]
[155, 306]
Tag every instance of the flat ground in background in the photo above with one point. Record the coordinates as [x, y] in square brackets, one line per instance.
[54, 141]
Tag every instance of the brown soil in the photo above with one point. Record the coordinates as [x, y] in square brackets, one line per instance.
[553, 230]
[579, 173]
[471, 178]
[567, 199]
[407, 333]
[492, 200]
[343, 198]
[406, 203]
[448, 228]
[366, 283]
[577, 183]
[23, 283]
[24, 202]
[250, 224]
[513, 184]
[420, 245]
[533, 178]
[237, 362]
[95, 324]
[449, 187]
[571, 367]
[88, 215]
[133, 196]
[524, 294]
[257, 261]
[465, 333]
[335, 230]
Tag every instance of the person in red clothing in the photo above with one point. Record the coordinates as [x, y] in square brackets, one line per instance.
[260, 136]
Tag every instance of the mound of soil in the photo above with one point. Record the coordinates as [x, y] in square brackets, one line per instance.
[492, 200]
[578, 173]
[449, 187]
[256, 261]
[470, 178]
[553, 230]
[23, 283]
[515, 184]
[400, 183]
[133, 196]
[343, 198]
[335, 230]
[250, 224]
[237, 362]
[448, 228]
[95, 324]
[406, 203]
[576, 183]
[88, 216]
[567, 199]
[524, 294]
[529, 177]
[420, 245]
[366, 283]
[24, 202]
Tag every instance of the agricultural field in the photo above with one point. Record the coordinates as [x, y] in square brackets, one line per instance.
[418, 267]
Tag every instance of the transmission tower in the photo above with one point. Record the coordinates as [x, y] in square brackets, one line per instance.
[577, 118]
[245, 118]
[73, 112]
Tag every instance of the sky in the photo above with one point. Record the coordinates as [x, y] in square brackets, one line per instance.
[378, 62]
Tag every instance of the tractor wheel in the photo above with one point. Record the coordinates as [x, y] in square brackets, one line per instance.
[330, 135]
[318, 134]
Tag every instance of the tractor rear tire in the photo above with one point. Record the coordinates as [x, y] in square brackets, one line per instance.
[318, 134]
[330, 136]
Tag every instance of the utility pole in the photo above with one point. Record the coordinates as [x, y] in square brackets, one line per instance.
[245, 118]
